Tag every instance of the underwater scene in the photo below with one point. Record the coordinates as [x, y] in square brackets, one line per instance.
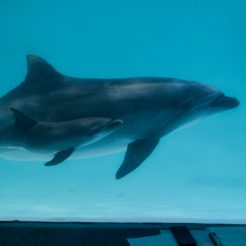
[123, 111]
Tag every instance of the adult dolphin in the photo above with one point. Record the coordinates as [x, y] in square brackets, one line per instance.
[150, 108]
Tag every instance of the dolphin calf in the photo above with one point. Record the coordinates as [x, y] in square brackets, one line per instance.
[150, 108]
[60, 138]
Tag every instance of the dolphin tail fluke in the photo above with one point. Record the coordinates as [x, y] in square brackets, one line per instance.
[136, 153]
[60, 157]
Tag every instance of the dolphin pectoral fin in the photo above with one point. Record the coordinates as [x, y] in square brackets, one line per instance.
[136, 153]
[60, 157]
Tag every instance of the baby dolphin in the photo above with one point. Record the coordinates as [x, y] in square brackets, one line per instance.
[59, 138]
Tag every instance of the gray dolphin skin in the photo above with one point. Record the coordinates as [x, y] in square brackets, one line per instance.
[149, 108]
[61, 138]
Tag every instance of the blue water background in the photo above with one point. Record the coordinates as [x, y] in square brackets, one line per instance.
[195, 175]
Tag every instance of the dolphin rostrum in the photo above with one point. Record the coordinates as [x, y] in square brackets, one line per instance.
[61, 138]
[150, 108]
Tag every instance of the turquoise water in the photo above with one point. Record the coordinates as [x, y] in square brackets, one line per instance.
[194, 175]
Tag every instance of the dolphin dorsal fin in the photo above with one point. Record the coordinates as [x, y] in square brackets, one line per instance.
[39, 70]
[22, 121]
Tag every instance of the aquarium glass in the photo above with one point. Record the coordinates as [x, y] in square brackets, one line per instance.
[196, 174]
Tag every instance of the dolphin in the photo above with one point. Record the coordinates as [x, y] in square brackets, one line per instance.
[58, 138]
[150, 107]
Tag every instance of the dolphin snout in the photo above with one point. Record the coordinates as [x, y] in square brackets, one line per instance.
[225, 102]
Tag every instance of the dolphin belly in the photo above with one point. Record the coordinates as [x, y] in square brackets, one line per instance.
[96, 149]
